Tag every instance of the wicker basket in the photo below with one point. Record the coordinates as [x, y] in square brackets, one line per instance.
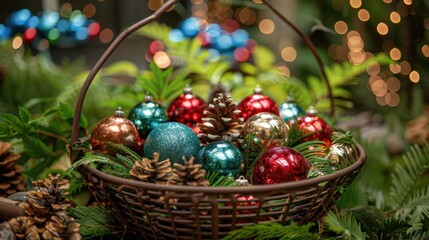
[183, 212]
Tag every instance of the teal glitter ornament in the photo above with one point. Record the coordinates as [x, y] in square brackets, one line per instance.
[172, 140]
[221, 157]
[147, 115]
[290, 111]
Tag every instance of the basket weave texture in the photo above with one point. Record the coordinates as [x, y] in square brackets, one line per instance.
[152, 211]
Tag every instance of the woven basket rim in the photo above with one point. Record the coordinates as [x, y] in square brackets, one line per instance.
[245, 190]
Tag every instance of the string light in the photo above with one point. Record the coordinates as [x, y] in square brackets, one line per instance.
[382, 28]
[288, 54]
[266, 26]
[341, 27]
[395, 54]
[363, 15]
[395, 17]
[17, 42]
[355, 3]
[393, 84]
[425, 50]
[414, 76]
[405, 68]
[408, 2]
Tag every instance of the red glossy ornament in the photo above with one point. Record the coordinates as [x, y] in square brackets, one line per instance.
[314, 125]
[280, 164]
[256, 103]
[187, 109]
[116, 129]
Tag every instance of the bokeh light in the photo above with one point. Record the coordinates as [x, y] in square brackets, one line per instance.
[395, 17]
[382, 28]
[395, 54]
[17, 42]
[162, 59]
[341, 27]
[106, 35]
[355, 3]
[266, 26]
[414, 76]
[363, 15]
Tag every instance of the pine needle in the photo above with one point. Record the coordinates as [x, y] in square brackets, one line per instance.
[94, 221]
[345, 224]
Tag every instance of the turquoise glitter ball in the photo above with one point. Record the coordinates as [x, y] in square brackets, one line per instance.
[222, 157]
[172, 140]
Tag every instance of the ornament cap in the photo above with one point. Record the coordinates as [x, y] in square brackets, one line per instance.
[241, 181]
[187, 89]
[148, 98]
[311, 111]
[290, 99]
[257, 90]
[119, 112]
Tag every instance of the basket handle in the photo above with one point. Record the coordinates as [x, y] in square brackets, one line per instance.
[313, 50]
[102, 60]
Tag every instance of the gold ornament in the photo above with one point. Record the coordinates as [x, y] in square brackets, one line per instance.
[267, 127]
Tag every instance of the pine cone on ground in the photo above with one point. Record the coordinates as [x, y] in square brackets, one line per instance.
[151, 170]
[11, 178]
[221, 120]
[188, 174]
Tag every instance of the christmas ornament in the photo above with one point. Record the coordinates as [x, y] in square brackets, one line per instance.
[222, 157]
[256, 103]
[342, 153]
[266, 128]
[172, 140]
[220, 120]
[11, 178]
[116, 129]
[188, 173]
[315, 127]
[147, 115]
[280, 164]
[46, 216]
[152, 170]
[290, 111]
[187, 109]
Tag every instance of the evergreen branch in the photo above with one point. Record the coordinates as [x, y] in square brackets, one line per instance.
[120, 148]
[125, 161]
[345, 224]
[94, 221]
[87, 159]
[219, 181]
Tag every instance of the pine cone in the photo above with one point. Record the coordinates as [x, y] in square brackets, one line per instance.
[23, 227]
[11, 178]
[151, 170]
[47, 198]
[61, 226]
[221, 119]
[188, 174]
[215, 90]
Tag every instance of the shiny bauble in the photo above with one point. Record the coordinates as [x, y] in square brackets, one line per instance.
[290, 111]
[256, 103]
[115, 129]
[221, 157]
[280, 164]
[187, 109]
[147, 115]
[342, 155]
[172, 140]
[266, 128]
[315, 127]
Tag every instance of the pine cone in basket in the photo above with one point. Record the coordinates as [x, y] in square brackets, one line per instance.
[11, 178]
[188, 174]
[61, 226]
[221, 119]
[215, 90]
[24, 227]
[47, 198]
[151, 170]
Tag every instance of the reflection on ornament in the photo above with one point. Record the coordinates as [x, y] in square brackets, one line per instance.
[172, 140]
[266, 127]
[187, 109]
[315, 127]
[115, 129]
[256, 103]
[221, 157]
[147, 115]
[280, 164]
[290, 111]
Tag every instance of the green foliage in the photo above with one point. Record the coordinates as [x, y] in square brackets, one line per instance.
[271, 231]
[346, 225]
[219, 181]
[94, 221]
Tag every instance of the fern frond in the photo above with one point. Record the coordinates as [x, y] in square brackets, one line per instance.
[125, 161]
[391, 228]
[344, 224]
[94, 221]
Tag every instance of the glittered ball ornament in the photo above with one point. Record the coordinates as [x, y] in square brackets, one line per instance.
[256, 103]
[147, 115]
[115, 129]
[342, 153]
[315, 127]
[266, 128]
[280, 164]
[290, 111]
[172, 140]
[187, 109]
[221, 157]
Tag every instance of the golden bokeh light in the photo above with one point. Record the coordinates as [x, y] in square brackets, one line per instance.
[355, 3]
[162, 59]
[363, 15]
[414, 76]
[288, 54]
[426, 23]
[341, 27]
[266, 26]
[285, 71]
[381, 101]
[17, 42]
[382, 28]
[395, 68]
[387, 1]
[245, 15]
[405, 68]
[425, 50]
[89, 10]
[106, 35]
[395, 54]
[395, 17]
[393, 84]
[257, 1]
[379, 88]
[408, 2]
[392, 99]
[373, 69]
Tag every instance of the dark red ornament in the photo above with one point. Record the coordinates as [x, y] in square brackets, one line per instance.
[116, 129]
[256, 103]
[280, 164]
[315, 126]
[187, 109]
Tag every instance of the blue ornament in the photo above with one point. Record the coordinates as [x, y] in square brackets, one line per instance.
[147, 115]
[190, 27]
[172, 140]
[222, 157]
[290, 111]
[240, 37]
